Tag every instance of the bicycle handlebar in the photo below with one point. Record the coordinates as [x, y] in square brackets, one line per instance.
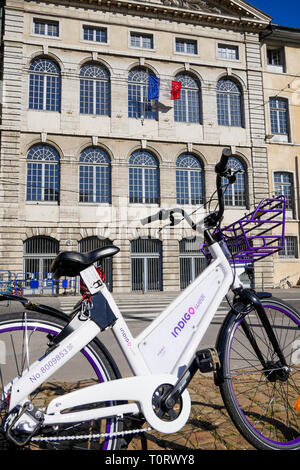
[212, 219]
[222, 165]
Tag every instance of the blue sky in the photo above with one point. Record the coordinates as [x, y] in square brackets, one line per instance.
[283, 12]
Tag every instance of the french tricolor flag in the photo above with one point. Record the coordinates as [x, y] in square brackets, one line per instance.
[175, 90]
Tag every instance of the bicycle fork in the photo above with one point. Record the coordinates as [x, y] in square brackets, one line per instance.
[273, 370]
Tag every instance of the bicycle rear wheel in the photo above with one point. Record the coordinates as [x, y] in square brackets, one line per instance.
[91, 365]
[261, 401]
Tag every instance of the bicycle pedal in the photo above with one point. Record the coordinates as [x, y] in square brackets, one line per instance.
[207, 360]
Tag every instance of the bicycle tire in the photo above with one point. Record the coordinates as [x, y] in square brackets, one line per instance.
[261, 402]
[91, 365]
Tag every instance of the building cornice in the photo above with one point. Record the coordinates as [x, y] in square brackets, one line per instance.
[232, 14]
[281, 34]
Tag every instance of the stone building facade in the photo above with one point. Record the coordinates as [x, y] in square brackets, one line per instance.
[86, 153]
[280, 58]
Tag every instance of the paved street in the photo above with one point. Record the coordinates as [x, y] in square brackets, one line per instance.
[140, 309]
[209, 427]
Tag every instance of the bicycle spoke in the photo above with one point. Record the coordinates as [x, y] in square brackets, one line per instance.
[27, 340]
[262, 399]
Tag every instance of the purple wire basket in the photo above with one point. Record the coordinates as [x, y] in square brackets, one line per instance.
[256, 235]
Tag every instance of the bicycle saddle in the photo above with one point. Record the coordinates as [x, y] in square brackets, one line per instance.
[70, 263]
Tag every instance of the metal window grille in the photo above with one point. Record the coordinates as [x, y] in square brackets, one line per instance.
[44, 85]
[91, 33]
[94, 90]
[92, 243]
[229, 103]
[283, 185]
[144, 41]
[235, 194]
[146, 265]
[187, 108]
[191, 260]
[138, 104]
[143, 178]
[186, 46]
[290, 249]
[39, 253]
[94, 176]
[189, 180]
[42, 173]
[279, 116]
[46, 28]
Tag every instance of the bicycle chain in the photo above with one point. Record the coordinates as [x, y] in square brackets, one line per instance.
[90, 436]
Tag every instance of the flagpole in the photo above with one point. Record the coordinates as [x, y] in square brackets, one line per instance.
[143, 106]
[144, 91]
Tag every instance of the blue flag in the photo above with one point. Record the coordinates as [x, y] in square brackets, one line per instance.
[153, 87]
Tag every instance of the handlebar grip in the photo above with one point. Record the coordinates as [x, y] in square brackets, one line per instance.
[160, 215]
[145, 221]
[221, 166]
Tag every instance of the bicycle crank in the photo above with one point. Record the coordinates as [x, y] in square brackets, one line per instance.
[162, 409]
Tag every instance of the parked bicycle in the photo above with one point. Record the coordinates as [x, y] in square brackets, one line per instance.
[285, 283]
[62, 389]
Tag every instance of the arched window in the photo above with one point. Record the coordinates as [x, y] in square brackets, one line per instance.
[189, 180]
[229, 103]
[143, 178]
[42, 173]
[187, 108]
[94, 90]
[44, 85]
[94, 175]
[191, 260]
[235, 194]
[146, 264]
[39, 253]
[92, 243]
[138, 104]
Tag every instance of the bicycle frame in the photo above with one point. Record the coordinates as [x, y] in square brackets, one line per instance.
[159, 355]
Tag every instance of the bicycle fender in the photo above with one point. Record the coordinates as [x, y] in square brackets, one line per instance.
[35, 307]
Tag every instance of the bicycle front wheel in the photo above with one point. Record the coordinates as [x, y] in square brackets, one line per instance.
[25, 339]
[263, 401]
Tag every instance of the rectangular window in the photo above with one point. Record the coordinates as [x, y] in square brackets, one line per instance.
[145, 41]
[279, 116]
[290, 249]
[275, 59]
[228, 52]
[46, 27]
[283, 185]
[92, 33]
[186, 46]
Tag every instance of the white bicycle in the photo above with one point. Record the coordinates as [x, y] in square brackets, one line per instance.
[62, 389]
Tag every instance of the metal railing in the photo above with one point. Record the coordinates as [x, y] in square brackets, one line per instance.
[36, 284]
